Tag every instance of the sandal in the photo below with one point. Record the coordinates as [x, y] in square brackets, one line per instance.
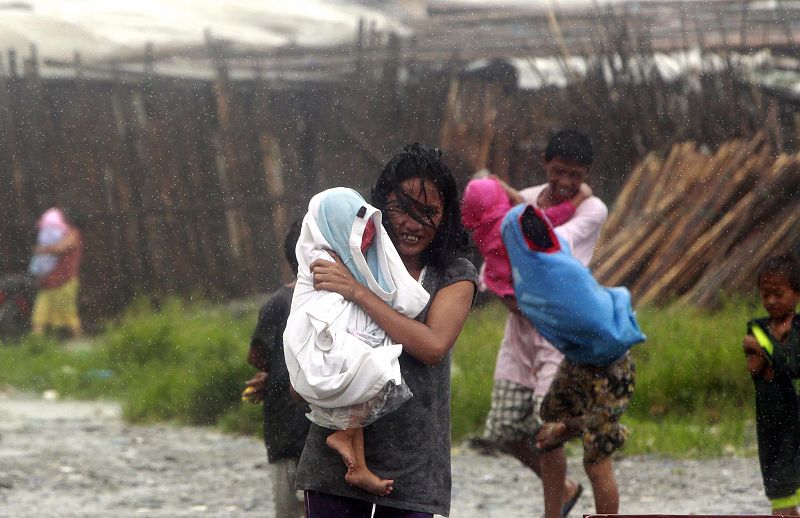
[569, 504]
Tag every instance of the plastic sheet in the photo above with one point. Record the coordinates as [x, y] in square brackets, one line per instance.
[363, 414]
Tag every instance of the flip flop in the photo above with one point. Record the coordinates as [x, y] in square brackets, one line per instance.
[569, 504]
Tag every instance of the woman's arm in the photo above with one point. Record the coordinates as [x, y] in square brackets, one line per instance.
[68, 241]
[428, 342]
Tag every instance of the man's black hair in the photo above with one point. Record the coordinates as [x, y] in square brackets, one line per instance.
[290, 242]
[417, 161]
[784, 264]
[569, 145]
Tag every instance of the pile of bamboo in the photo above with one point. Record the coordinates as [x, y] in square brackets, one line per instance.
[693, 226]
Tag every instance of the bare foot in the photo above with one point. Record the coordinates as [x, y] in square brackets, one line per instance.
[552, 435]
[361, 476]
[340, 442]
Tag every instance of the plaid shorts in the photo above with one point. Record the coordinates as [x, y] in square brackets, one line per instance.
[514, 414]
[598, 394]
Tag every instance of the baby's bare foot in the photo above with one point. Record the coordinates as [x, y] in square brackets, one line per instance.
[344, 446]
[361, 476]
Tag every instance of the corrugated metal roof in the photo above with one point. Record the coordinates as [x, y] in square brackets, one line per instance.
[104, 29]
[533, 73]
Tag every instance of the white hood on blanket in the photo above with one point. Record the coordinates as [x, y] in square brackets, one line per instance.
[329, 363]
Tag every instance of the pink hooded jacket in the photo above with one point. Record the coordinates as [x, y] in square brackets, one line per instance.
[484, 205]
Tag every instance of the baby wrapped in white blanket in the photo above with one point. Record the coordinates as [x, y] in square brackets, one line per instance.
[339, 360]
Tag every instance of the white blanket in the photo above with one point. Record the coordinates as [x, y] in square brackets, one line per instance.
[330, 362]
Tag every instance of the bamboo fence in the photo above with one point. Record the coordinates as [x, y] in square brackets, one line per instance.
[188, 184]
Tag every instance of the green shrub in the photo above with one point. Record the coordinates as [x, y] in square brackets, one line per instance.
[183, 363]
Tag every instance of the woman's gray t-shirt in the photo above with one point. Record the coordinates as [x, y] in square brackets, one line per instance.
[410, 445]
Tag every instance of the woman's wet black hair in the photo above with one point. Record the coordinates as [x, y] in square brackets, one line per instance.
[784, 264]
[290, 243]
[417, 161]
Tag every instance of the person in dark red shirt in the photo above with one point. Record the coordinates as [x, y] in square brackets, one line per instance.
[56, 304]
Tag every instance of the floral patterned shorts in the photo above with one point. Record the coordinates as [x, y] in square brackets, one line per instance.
[600, 396]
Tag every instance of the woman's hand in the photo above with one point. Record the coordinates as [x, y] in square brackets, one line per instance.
[335, 277]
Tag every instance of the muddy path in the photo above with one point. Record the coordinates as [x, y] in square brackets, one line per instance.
[63, 458]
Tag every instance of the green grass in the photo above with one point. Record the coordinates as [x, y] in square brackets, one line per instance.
[687, 437]
[186, 364]
[692, 362]
[473, 369]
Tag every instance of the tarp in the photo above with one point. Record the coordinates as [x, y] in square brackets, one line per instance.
[103, 29]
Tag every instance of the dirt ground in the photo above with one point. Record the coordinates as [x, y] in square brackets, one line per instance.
[78, 459]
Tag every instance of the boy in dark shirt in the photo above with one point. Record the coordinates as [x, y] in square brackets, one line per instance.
[772, 349]
[285, 424]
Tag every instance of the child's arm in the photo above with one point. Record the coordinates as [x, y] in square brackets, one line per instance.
[269, 328]
[563, 212]
[584, 193]
[585, 226]
[513, 194]
[428, 342]
[257, 355]
[756, 357]
[256, 387]
[557, 214]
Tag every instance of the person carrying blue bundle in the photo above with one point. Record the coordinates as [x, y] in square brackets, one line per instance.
[339, 360]
[531, 265]
[593, 326]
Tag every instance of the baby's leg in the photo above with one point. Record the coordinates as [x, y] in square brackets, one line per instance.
[564, 406]
[343, 442]
[360, 475]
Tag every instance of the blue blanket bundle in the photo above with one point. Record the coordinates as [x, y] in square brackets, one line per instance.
[587, 322]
